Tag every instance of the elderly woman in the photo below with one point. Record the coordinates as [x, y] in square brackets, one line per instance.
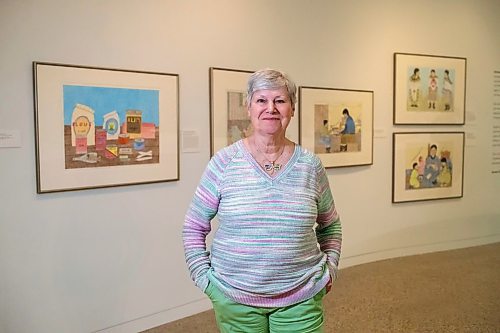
[265, 272]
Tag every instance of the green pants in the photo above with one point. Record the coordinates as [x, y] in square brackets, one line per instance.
[232, 317]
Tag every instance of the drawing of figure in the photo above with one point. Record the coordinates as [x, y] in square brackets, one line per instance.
[414, 177]
[248, 131]
[421, 166]
[348, 123]
[447, 91]
[432, 165]
[325, 137]
[444, 177]
[234, 134]
[433, 89]
[414, 86]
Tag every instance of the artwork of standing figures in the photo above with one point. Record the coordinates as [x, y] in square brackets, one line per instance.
[429, 89]
[435, 93]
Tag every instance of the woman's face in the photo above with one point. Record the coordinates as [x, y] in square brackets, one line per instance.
[270, 110]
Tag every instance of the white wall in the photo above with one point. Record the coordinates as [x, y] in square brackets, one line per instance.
[111, 260]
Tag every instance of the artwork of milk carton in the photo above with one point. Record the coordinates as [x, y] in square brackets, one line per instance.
[82, 125]
[111, 125]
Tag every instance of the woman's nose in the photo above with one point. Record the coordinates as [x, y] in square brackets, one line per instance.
[270, 107]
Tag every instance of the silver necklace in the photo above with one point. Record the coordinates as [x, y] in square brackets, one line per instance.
[271, 166]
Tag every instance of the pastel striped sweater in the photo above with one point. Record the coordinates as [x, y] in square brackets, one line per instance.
[278, 239]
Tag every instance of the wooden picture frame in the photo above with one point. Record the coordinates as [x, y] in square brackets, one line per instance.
[337, 125]
[429, 89]
[102, 127]
[427, 166]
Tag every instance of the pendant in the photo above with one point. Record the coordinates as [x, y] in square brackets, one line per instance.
[271, 166]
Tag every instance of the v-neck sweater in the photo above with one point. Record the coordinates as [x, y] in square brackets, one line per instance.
[279, 238]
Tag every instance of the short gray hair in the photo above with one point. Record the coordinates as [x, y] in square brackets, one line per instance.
[271, 79]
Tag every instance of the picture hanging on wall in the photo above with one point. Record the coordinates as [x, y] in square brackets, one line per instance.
[229, 121]
[100, 127]
[429, 89]
[337, 125]
[427, 166]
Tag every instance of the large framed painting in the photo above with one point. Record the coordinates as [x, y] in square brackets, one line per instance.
[427, 166]
[229, 121]
[101, 127]
[429, 89]
[337, 125]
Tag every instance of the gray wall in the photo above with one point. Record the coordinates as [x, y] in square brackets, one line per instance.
[111, 260]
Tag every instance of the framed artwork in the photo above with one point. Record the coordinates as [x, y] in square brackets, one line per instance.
[100, 127]
[337, 125]
[229, 121]
[429, 90]
[427, 166]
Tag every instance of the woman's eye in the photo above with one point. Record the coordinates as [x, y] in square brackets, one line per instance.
[261, 100]
[280, 101]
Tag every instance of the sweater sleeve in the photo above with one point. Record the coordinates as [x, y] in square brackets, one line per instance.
[197, 224]
[328, 230]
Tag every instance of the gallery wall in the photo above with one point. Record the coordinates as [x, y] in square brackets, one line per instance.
[111, 260]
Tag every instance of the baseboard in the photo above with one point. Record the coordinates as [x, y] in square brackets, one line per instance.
[383, 254]
[159, 318]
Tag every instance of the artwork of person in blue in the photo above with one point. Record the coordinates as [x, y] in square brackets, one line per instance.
[432, 167]
[349, 126]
